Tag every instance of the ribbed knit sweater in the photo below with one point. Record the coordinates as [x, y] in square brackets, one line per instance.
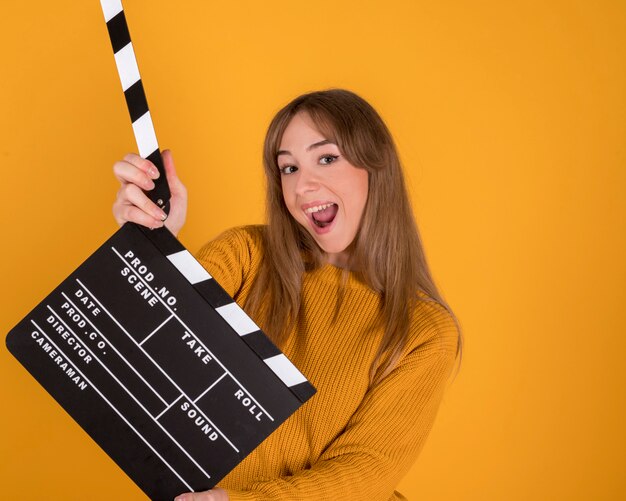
[350, 441]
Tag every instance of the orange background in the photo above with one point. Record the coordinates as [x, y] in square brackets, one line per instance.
[510, 118]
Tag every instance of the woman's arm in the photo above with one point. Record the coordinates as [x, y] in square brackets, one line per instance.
[381, 440]
[379, 444]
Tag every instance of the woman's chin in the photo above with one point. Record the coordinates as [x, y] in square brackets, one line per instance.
[329, 241]
[333, 248]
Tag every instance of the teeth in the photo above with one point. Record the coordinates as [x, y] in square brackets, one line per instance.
[318, 208]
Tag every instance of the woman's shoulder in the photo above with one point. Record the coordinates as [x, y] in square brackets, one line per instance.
[241, 246]
[246, 239]
[252, 233]
[233, 257]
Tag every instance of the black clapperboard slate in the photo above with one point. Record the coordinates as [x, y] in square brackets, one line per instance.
[145, 350]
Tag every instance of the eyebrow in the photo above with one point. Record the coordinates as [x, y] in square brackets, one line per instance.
[309, 148]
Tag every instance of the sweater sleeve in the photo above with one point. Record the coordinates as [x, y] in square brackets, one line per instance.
[383, 437]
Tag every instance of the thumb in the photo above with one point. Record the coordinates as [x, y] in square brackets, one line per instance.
[177, 188]
[215, 494]
[194, 496]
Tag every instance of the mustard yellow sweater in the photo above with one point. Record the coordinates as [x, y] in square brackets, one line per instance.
[349, 441]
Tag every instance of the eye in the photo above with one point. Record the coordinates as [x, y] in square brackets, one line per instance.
[288, 169]
[328, 159]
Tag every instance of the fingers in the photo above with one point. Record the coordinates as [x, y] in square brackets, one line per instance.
[138, 198]
[136, 175]
[136, 170]
[195, 496]
[135, 215]
[133, 205]
[215, 494]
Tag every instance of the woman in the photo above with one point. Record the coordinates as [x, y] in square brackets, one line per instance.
[339, 280]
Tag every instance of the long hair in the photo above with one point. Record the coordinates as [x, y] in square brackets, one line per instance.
[387, 252]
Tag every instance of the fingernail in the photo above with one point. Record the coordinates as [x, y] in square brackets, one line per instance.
[149, 184]
[160, 215]
[153, 172]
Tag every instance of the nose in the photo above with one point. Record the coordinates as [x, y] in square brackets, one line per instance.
[307, 181]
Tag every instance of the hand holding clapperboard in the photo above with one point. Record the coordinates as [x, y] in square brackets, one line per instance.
[145, 350]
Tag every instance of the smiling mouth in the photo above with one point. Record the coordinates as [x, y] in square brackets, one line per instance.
[323, 215]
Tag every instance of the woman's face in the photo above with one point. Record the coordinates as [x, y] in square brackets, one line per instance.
[323, 191]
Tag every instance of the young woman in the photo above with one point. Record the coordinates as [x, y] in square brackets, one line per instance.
[339, 280]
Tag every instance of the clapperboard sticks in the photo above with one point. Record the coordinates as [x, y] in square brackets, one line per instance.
[135, 95]
[172, 379]
[182, 259]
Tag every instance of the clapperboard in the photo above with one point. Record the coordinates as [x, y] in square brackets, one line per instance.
[145, 350]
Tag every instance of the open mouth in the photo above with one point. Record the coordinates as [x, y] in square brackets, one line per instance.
[323, 215]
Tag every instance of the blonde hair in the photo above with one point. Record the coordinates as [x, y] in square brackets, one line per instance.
[387, 252]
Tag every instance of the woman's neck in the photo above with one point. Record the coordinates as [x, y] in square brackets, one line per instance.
[338, 259]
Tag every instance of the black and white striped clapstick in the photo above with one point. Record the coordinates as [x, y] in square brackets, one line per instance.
[147, 352]
[128, 71]
[180, 257]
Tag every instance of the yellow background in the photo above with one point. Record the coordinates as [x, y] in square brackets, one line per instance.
[510, 118]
